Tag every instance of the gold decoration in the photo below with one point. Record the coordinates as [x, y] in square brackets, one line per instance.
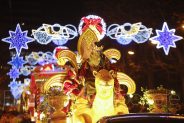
[112, 53]
[58, 103]
[126, 80]
[103, 104]
[133, 30]
[67, 55]
[55, 80]
[85, 43]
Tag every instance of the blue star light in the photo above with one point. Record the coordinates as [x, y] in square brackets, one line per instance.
[16, 89]
[18, 39]
[165, 38]
[14, 73]
[14, 84]
[17, 61]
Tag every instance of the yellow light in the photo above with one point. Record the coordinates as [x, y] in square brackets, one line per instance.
[131, 95]
[68, 120]
[173, 92]
[150, 101]
[131, 52]
[42, 116]
[183, 26]
[35, 114]
[154, 42]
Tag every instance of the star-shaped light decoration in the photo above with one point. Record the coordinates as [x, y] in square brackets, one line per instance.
[18, 39]
[165, 38]
[16, 89]
[14, 84]
[17, 61]
[14, 73]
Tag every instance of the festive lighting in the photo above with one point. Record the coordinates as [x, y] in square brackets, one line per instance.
[14, 73]
[154, 42]
[16, 89]
[56, 33]
[127, 33]
[26, 70]
[13, 84]
[54, 80]
[40, 58]
[165, 38]
[18, 39]
[93, 21]
[150, 101]
[32, 58]
[57, 49]
[41, 36]
[17, 61]
[27, 82]
[131, 95]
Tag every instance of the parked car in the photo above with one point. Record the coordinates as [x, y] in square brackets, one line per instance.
[143, 118]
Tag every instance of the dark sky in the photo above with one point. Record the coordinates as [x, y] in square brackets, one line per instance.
[152, 13]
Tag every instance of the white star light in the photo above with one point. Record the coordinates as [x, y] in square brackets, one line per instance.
[18, 39]
[165, 38]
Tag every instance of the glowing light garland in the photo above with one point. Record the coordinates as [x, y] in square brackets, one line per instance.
[56, 33]
[92, 20]
[127, 33]
[18, 39]
[17, 61]
[165, 38]
[13, 73]
[40, 58]
[26, 70]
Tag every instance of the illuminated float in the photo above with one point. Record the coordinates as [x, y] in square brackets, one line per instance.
[87, 87]
[79, 87]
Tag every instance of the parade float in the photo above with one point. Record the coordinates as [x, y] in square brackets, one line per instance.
[76, 86]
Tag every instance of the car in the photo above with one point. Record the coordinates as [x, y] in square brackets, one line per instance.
[143, 118]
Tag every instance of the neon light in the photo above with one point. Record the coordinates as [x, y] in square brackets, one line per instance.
[18, 39]
[17, 61]
[165, 38]
[14, 73]
[127, 33]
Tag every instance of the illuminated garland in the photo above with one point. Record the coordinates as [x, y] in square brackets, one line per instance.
[56, 33]
[26, 70]
[40, 58]
[127, 33]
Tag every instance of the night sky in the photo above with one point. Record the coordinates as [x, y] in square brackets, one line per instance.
[165, 70]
